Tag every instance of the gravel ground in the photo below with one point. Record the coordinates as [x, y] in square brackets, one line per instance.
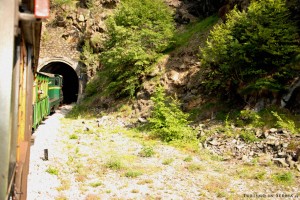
[91, 160]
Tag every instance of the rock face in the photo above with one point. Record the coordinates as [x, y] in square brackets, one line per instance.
[279, 146]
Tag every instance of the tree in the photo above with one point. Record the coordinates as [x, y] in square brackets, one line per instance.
[138, 32]
[253, 50]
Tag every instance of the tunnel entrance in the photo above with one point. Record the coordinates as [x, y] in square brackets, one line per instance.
[70, 79]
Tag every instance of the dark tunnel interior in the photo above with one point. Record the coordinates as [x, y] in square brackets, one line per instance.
[70, 79]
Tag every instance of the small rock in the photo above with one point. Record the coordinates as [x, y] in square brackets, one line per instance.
[213, 142]
[81, 18]
[281, 162]
[285, 145]
[273, 130]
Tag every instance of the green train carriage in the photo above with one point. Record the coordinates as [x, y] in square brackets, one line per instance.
[55, 91]
[47, 96]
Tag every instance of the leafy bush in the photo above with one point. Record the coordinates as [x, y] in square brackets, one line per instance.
[167, 121]
[285, 178]
[252, 51]
[285, 123]
[249, 117]
[248, 136]
[138, 32]
[147, 151]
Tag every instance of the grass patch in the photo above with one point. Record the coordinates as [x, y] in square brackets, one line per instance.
[133, 174]
[167, 161]
[73, 137]
[188, 159]
[114, 163]
[248, 136]
[284, 178]
[52, 171]
[145, 181]
[147, 151]
[195, 167]
[96, 184]
[182, 38]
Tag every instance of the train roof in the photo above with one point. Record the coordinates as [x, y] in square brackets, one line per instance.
[49, 74]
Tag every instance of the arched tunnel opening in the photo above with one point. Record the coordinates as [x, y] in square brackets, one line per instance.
[70, 79]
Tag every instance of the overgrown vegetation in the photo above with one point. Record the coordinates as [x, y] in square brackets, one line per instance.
[252, 52]
[167, 121]
[138, 32]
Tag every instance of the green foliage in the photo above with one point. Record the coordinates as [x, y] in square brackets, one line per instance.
[188, 159]
[285, 123]
[114, 163]
[167, 161]
[249, 117]
[89, 59]
[133, 174]
[147, 151]
[52, 170]
[138, 32]
[285, 178]
[167, 121]
[248, 136]
[252, 51]
[182, 38]
[73, 137]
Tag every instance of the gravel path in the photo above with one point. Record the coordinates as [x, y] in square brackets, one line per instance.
[91, 160]
[42, 185]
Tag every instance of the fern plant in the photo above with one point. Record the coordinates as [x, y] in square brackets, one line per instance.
[285, 123]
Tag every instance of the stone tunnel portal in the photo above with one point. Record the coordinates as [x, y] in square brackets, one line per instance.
[70, 79]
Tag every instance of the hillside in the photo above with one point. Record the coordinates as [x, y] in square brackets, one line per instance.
[244, 127]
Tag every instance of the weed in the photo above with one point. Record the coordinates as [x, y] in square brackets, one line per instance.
[285, 123]
[167, 121]
[115, 164]
[260, 175]
[145, 181]
[73, 137]
[284, 178]
[52, 170]
[249, 117]
[133, 174]
[167, 161]
[147, 151]
[248, 136]
[96, 184]
[188, 159]
[195, 167]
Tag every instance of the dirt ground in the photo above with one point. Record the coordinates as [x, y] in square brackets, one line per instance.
[93, 159]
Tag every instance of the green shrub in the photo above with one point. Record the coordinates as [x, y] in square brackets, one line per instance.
[167, 161]
[252, 51]
[249, 117]
[138, 32]
[285, 123]
[73, 137]
[147, 151]
[285, 178]
[52, 170]
[133, 174]
[248, 136]
[167, 121]
[114, 163]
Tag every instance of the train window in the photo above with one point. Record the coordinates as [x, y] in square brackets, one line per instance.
[56, 81]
